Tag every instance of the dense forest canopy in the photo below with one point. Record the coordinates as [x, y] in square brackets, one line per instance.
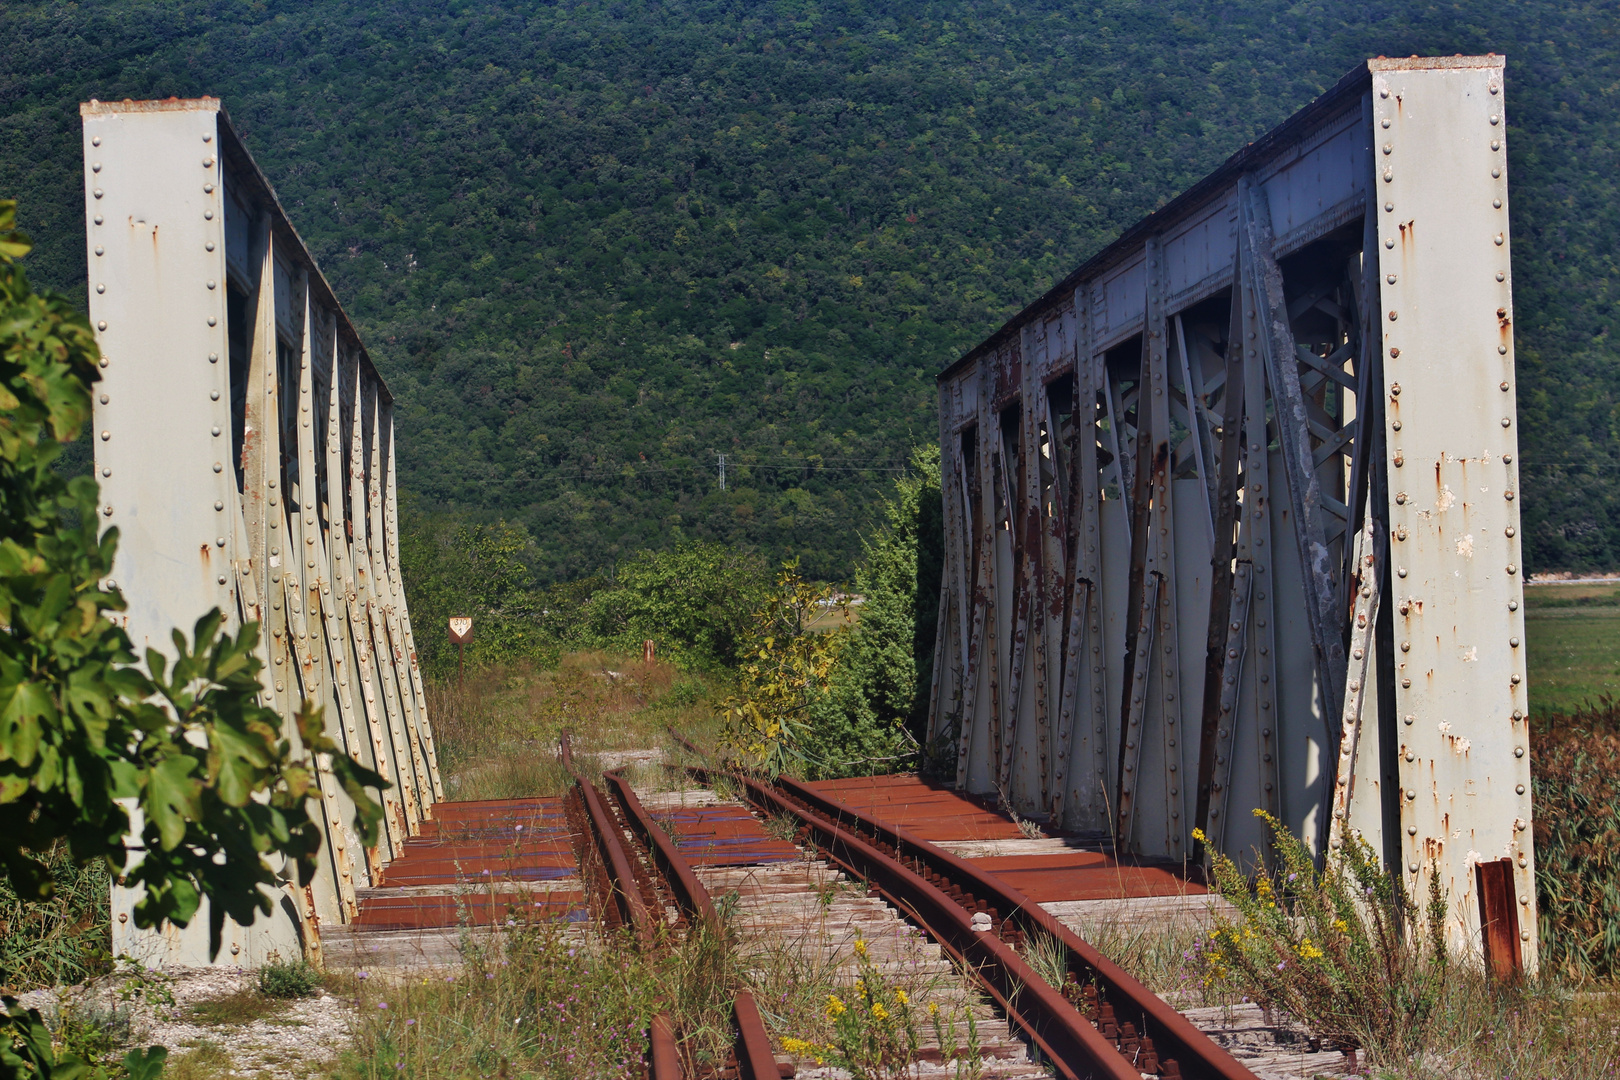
[593, 246]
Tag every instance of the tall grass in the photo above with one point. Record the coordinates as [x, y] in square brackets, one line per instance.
[62, 941]
[1575, 785]
[497, 734]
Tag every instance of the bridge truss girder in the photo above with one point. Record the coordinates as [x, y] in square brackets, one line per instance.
[1230, 513]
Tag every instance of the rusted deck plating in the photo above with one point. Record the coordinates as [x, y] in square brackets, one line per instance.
[483, 862]
[1083, 871]
[487, 861]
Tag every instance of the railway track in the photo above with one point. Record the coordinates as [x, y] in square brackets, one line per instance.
[637, 866]
[1099, 1022]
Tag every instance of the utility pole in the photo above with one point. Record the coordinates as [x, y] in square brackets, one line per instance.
[722, 471]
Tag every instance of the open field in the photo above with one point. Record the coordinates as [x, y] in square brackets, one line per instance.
[1572, 633]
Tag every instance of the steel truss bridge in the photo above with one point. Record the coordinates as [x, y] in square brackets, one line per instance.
[1231, 520]
[245, 451]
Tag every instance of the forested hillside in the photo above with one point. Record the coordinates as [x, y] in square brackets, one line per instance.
[594, 245]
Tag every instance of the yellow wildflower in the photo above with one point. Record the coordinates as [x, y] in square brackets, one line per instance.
[799, 1047]
[933, 1008]
[902, 997]
[860, 988]
[1307, 951]
[1341, 926]
[860, 947]
[878, 1011]
[1198, 835]
[835, 1008]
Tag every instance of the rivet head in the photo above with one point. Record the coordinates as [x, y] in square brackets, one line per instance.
[1519, 790]
[1394, 353]
[1507, 421]
[1395, 388]
[1496, 174]
[218, 505]
[1510, 530]
[1513, 605]
[213, 285]
[107, 510]
[1500, 240]
[97, 219]
[218, 467]
[98, 193]
[1501, 350]
[1518, 751]
[1501, 276]
[212, 321]
[1512, 568]
[1393, 316]
[1386, 122]
[1401, 572]
[1413, 867]
[102, 325]
[1400, 498]
[216, 433]
[1399, 461]
[105, 472]
[101, 250]
[1383, 93]
[208, 162]
[1406, 646]
[1390, 243]
[95, 167]
[208, 215]
[219, 541]
[222, 579]
[213, 358]
[208, 246]
[106, 435]
[1390, 279]
[100, 287]
[1496, 144]
[1524, 935]
[208, 189]
[95, 141]
[1508, 495]
[1389, 174]
[1495, 89]
[105, 361]
[1495, 119]
[1513, 642]
[1496, 204]
[1410, 794]
[213, 395]
[1504, 387]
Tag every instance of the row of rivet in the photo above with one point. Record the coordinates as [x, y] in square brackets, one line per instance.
[1499, 240]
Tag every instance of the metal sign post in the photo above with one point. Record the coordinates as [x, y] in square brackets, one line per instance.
[460, 633]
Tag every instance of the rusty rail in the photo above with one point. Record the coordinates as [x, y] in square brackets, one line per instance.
[1124, 1030]
[752, 1046]
[1173, 1036]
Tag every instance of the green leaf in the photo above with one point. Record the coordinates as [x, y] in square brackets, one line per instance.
[148, 1065]
[172, 798]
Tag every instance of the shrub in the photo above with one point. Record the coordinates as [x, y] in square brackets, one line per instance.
[1343, 951]
[289, 979]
